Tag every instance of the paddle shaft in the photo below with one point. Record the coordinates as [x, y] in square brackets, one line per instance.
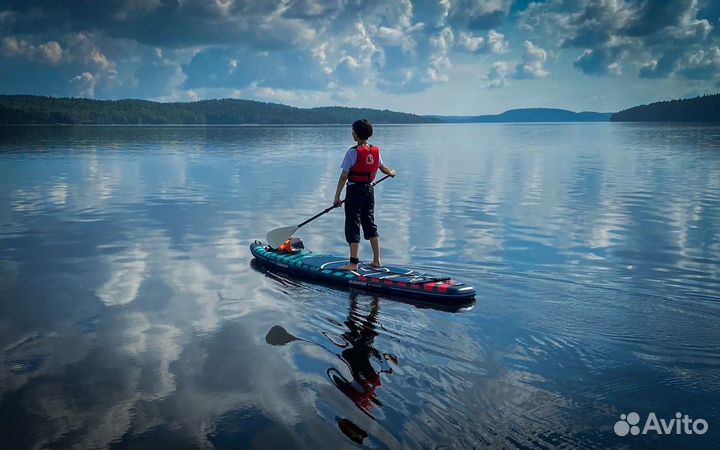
[327, 210]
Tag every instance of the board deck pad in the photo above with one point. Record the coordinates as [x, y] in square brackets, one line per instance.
[389, 279]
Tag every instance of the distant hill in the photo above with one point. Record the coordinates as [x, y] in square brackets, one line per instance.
[31, 109]
[698, 109]
[531, 115]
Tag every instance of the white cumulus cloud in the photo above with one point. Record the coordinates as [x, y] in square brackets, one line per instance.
[471, 43]
[497, 42]
[533, 62]
[49, 52]
[498, 74]
[84, 84]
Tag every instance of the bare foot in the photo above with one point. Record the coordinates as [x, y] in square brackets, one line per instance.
[376, 264]
[348, 267]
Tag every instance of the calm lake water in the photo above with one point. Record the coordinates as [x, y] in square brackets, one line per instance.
[131, 315]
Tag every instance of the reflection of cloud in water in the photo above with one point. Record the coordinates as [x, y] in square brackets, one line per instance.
[439, 201]
[534, 182]
[175, 171]
[97, 186]
[58, 193]
[127, 272]
[137, 362]
[226, 373]
[84, 409]
[193, 284]
[230, 247]
[85, 399]
[24, 200]
[479, 204]
[155, 343]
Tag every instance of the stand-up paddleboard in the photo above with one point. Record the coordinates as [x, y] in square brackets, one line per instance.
[390, 280]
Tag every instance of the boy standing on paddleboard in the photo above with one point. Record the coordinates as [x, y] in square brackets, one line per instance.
[359, 168]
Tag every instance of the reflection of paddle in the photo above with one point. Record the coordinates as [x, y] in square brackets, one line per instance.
[278, 236]
[279, 336]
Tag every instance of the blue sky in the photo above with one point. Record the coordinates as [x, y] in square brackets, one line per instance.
[453, 57]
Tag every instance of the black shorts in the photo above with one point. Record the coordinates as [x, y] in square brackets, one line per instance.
[359, 210]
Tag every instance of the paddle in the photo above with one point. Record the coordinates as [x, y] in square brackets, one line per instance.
[278, 236]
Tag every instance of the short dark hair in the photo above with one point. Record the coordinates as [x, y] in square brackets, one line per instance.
[362, 128]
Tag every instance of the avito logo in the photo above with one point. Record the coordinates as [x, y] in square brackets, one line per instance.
[681, 424]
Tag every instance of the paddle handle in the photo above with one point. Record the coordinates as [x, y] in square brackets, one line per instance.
[327, 210]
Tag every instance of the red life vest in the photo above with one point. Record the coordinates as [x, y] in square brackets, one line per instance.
[366, 166]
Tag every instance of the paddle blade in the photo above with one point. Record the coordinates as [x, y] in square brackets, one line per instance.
[278, 236]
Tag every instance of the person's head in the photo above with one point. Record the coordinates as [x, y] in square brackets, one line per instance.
[362, 130]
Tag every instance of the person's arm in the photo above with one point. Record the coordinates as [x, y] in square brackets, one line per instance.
[387, 171]
[341, 184]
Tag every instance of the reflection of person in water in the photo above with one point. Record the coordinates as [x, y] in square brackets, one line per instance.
[359, 356]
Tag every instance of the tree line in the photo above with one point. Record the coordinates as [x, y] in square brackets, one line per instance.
[32, 109]
[698, 109]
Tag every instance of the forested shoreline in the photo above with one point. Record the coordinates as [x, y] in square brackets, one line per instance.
[39, 110]
[698, 109]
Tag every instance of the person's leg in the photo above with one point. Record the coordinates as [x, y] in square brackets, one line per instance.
[375, 242]
[367, 217]
[353, 208]
[354, 249]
